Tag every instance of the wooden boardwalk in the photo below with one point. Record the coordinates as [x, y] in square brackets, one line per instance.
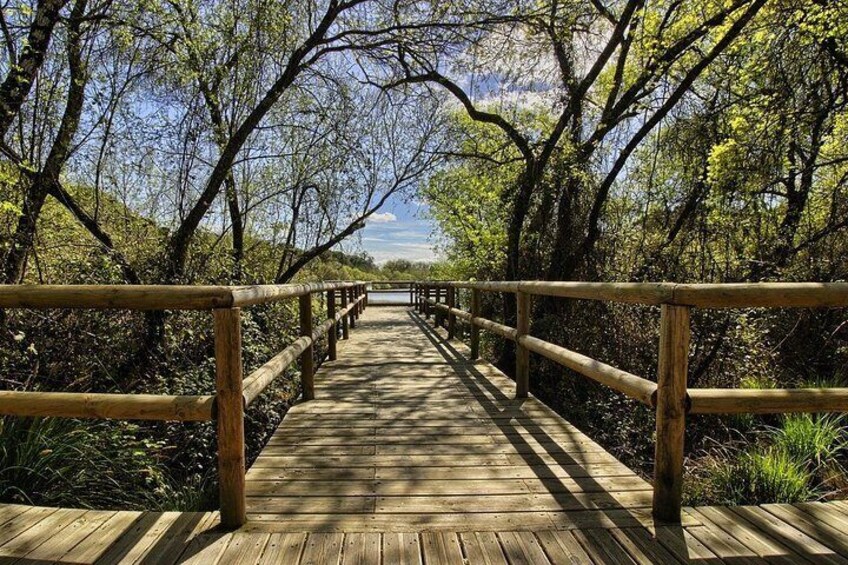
[413, 454]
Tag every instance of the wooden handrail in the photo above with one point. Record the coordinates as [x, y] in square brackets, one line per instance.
[727, 295]
[640, 389]
[767, 401]
[107, 405]
[631, 385]
[155, 297]
[669, 395]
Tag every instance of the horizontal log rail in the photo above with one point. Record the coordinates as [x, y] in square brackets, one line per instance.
[233, 394]
[107, 406]
[766, 401]
[257, 381]
[669, 396]
[713, 296]
[154, 297]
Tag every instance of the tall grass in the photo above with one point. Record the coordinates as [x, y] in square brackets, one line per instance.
[754, 477]
[64, 462]
[801, 459]
[815, 440]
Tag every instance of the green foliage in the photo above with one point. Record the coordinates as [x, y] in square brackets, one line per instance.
[65, 462]
[813, 441]
[761, 476]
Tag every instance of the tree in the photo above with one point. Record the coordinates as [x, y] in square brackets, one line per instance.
[599, 93]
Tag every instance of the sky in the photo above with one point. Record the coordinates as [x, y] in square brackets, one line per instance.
[400, 230]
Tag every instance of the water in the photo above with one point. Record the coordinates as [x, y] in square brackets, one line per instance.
[377, 297]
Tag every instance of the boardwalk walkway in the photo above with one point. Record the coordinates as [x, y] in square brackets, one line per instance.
[413, 454]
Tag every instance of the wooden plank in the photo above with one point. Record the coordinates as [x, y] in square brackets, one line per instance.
[602, 547]
[21, 522]
[401, 549]
[562, 547]
[283, 548]
[824, 533]
[725, 546]
[786, 534]
[485, 502]
[735, 526]
[441, 548]
[362, 549]
[825, 512]
[522, 548]
[42, 533]
[444, 522]
[108, 533]
[683, 545]
[483, 548]
[60, 543]
[643, 548]
[435, 487]
[322, 548]
[439, 472]
[204, 549]
[486, 459]
[312, 504]
[244, 548]
[567, 442]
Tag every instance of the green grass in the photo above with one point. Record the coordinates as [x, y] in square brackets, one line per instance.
[73, 463]
[761, 476]
[813, 440]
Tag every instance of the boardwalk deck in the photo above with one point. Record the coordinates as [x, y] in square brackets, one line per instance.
[407, 434]
[413, 454]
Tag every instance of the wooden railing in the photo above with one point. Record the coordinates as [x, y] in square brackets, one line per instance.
[406, 288]
[669, 395]
[233, 394]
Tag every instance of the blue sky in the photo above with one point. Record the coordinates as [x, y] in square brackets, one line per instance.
[400, 230]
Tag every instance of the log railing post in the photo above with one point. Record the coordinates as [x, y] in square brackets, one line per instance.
[343, 297]
[351, 292]
[307, 358]
[229, 404]
[671, 412]
[333, 334]
[427, 302]
[475, 330]
[450, 298]
[522, 354]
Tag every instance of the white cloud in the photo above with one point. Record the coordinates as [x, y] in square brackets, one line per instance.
[382, 218]
[409, 251]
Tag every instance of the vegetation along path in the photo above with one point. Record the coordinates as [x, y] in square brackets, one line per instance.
[412, 453]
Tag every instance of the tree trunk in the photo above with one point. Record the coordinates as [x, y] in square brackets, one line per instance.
[18, 82]
[24, 237]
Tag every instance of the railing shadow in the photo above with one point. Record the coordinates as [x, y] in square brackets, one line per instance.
[503, 409]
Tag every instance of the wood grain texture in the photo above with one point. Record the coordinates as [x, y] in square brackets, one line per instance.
[671, 412]
[230, 416]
